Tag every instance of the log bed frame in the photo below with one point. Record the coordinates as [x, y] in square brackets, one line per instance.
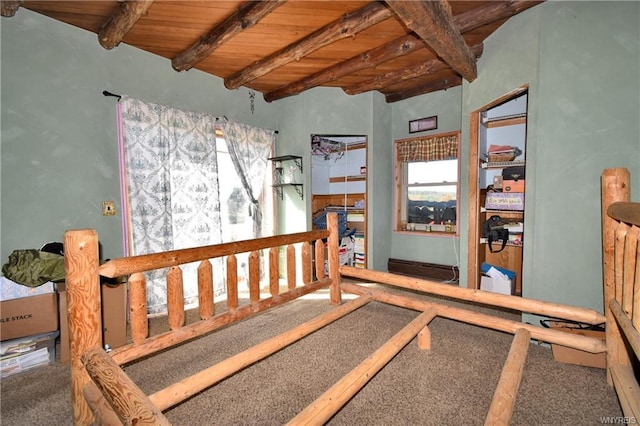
[102, 393]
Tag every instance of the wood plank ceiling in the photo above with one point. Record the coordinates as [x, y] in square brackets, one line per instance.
[282, 48]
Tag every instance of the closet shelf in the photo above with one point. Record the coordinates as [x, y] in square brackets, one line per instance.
[501, 164]
[341, 179]
[506, 120]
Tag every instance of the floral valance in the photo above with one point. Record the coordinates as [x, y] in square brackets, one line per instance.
[428, 148]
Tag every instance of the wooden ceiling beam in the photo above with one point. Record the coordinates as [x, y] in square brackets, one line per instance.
[404, 45]
[432, 21]
[491, 12]
[121, 21]
[444, 84]
[348, 26]
[394, 77]
[8, 8]
[244, 18]
[398, 47]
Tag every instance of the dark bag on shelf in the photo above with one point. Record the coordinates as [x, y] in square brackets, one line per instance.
[513, 173]
[493, 230]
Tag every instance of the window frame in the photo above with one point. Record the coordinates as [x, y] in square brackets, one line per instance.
[401, 186]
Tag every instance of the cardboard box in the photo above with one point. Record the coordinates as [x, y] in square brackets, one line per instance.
[28, 316]
[504, 201]
[18, 355]
[114, 318]
[575, 356]
[497, 285]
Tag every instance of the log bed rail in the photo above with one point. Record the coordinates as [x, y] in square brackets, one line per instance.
[102, 393]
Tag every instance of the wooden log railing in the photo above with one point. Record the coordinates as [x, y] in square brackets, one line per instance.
[83, 283]
[621, 277]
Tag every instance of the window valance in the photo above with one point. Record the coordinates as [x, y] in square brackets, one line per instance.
[428, 148]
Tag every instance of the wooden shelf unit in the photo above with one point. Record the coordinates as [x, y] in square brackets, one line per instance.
[511, 257]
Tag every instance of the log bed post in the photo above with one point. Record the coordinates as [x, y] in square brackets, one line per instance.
[615, 187]
[85, 320]
[334, 258]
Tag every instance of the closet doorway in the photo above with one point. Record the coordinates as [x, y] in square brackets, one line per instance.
[339, 184]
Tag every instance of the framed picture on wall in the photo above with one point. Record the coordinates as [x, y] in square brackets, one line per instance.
[423, 124]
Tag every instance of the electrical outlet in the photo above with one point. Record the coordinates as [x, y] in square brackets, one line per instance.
[108, 208]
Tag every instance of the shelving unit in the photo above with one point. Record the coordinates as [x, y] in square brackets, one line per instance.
[339, 184]
[279, 178]
[502, 122]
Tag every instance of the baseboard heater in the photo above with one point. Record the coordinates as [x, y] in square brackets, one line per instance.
[430, 271]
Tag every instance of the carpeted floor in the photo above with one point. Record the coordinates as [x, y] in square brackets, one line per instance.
[451, 384]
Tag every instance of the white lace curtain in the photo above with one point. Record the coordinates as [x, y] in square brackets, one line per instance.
[249, 148]
[170, 186]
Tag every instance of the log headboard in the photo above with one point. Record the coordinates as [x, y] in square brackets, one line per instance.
[621, 277]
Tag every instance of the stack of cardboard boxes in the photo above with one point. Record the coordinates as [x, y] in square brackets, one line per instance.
[31, 319]
[28, 326]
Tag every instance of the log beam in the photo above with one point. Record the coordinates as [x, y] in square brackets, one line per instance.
[244, 18]
[8, 8]
[433, 86]
[121, 21]
[396, 48]
[348, 26]
[404, 45]
[434, 24]
[393, 77]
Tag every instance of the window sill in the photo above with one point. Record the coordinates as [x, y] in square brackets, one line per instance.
[424, 233]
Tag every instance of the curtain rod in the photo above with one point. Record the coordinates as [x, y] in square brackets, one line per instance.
[107, 93]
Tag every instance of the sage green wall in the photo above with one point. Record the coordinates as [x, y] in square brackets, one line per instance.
[59, 142]
[588, 103]
[582, 62]
[331, 111]
[446, 105]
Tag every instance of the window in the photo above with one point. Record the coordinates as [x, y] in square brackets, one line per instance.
[235, 206]
[236, 213]
[427, 183]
